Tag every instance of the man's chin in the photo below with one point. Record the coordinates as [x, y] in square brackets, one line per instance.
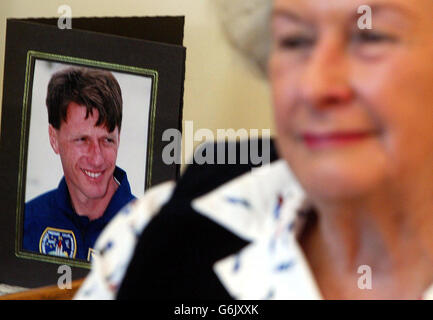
[100, 191]
[93, 192]
[96, 194]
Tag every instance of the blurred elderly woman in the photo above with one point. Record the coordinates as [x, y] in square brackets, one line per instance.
[354, 119]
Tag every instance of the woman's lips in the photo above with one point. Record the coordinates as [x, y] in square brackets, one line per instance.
[331, 139]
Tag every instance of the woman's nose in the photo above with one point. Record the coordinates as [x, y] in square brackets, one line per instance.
[326, 80]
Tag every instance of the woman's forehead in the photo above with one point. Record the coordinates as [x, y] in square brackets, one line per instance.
[320, 7]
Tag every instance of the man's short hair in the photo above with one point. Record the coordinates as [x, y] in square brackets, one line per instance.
[92, 88]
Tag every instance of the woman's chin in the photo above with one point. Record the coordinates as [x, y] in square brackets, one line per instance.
[341, 188]
[339, 179]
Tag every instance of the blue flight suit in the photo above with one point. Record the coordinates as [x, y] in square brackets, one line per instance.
[51, 226]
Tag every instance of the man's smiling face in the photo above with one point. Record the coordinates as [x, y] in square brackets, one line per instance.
[88, 153]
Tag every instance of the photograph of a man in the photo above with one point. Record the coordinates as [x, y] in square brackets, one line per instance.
[85, 116]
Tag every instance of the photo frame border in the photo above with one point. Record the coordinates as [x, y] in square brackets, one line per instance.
[140, 44]
[32, 56]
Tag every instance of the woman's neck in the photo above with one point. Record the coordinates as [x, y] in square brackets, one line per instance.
[391, 234]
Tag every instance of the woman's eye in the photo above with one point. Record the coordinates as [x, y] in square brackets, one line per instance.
[371, 37]
[296, 42]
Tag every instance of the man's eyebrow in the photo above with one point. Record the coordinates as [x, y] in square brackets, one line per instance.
[77, 136]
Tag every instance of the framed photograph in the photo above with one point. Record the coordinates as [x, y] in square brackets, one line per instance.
[83, 115]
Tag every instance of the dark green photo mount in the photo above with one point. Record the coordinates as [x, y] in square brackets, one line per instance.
[145, 46]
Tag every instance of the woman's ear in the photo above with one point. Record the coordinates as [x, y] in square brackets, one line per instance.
[53, 132]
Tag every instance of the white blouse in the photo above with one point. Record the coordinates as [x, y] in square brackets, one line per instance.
[260, 206]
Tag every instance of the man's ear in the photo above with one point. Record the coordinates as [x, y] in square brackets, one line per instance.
[52, 132]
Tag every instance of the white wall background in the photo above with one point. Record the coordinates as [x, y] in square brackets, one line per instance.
[221, 91]
[44, 169]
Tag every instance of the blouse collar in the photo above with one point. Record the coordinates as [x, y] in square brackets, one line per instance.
[262, 207]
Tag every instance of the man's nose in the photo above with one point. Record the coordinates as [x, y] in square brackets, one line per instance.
[326, 80]
[95, 154]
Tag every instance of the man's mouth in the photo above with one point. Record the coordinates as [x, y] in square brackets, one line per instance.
[92, 174]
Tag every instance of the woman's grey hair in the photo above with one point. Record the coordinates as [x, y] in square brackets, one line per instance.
[246, 25]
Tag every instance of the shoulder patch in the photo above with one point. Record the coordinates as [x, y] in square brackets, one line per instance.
[58, 242]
